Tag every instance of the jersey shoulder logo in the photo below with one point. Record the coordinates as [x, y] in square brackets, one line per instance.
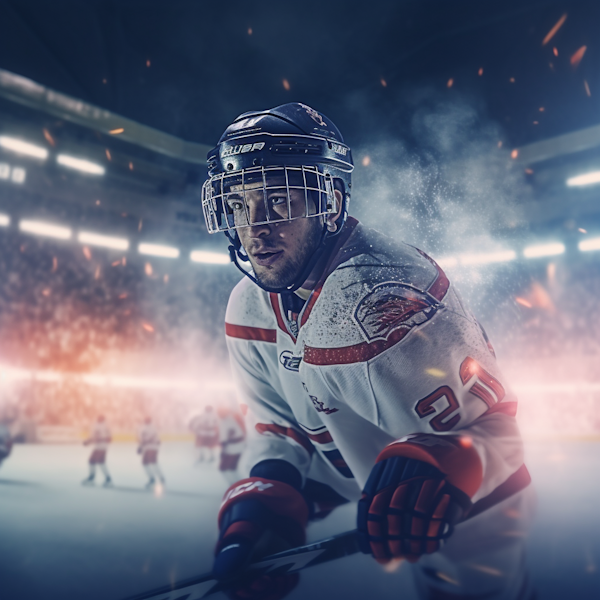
[390, 306]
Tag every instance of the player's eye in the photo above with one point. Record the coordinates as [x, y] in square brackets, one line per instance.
[235, 204]
[278, 200]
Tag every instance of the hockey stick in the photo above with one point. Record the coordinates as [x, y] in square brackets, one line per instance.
[289, 561]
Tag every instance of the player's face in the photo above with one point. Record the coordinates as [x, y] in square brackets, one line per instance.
[277, 250]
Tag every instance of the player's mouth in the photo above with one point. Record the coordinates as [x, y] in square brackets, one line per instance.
[266, 259]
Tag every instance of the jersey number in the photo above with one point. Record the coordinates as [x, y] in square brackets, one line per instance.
[486, 388]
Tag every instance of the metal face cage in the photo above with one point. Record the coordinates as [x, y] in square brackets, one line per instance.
[266, 195]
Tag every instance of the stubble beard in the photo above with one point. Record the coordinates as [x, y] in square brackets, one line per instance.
[287, 273]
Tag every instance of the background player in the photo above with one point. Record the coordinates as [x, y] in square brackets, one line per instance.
[232, 435]
[361, 366]
[205, 428]
[149, 443]
[99, 439]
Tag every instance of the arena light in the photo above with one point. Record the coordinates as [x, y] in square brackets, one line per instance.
[105, 241]
[20, 147]
[483, 258]
[158, 250]
[540, 250]
[4, 220]
[585, 179]
[45, 229]
[80, 164]
[211, 258]
[588, 245]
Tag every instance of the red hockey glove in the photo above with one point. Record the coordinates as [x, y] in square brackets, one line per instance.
[417, 491]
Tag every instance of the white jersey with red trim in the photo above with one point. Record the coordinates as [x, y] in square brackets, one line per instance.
[384, 349]
[100, 436]
[231, 435]
[148, 437]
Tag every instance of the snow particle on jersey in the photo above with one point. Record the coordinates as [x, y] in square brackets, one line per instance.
[390, 306]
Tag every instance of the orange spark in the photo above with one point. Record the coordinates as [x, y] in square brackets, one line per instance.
[450, 83]
[582, 230]
[536, 122]
[123, 296]
[116, 262]
[587, 88]
[166, 278]
[555, 51]
[480, 72]
[529, 171]
[97, 273]
[46, 292]
[576, 58]
[555, 29]
[514, 153]
[148, 63]
[542, 109]
[108, 155]
[104, 80]
[551, 272]
[97, 202]
[523, 302]
[465, 441]
[383, 82]
[48, 137]
[286, 85]
[140, 225]
[54, 264]
[513, 513]
[130, 166]
[512, 79]
[87, 252]
[249, 30]
[148, 269]
[124, 261]
[499, 144]
[148, 327]
[116, 131]
[551, 65]
[366, 161]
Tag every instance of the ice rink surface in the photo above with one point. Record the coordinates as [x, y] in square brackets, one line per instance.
[62, 540]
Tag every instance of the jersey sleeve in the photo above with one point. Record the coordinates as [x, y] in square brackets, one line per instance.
[272, 431]
[421, 372]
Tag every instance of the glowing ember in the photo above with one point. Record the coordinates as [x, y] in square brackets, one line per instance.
[576, 58]
[148, 327]
[487, 570]
[148, 269]
[499, 144]
[587, 88]
[383, 82]
[435, 372]
[166, 278]
[366, 161]
[54, 264]
[148, 63]
[116, 131]
[97, 202]
[124, 261]
[97, 272]
[582, 230]
[447, 578]
[48, 137]
[286, 85]
[46, 292]
[529, 171]
[523, 302]
[514, 153]
[555, 51]
[465, 441]
[104, 81]
[450, 83]
[542, 109]
[480, 72]
[130, 166]
[393, 565]
[108, 155]
[512, 79]
[554, 30]
[123, 296]
[87, 252]
[140, 225]
[116, 262]
[536, 122]
[249, 30]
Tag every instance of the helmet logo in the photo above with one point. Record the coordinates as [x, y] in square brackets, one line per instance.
[242, 149]
[314, 115]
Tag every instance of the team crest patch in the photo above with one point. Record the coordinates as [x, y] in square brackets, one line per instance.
[391, 306]
[314, 115]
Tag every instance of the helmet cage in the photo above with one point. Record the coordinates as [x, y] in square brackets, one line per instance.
[266, 195]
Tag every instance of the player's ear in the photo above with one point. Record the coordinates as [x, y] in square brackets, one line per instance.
[332, 218]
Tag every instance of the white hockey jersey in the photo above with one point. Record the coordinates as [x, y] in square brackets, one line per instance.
[231, 435]
[100, 436]
[382, 349]
[148, 437]
[205, 425]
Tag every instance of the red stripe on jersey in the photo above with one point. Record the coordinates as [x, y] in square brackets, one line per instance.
[441, 283]
[298, 437]
[352, 354]
[506, 408]
[277, 310]
[309, 306]
[251, 333]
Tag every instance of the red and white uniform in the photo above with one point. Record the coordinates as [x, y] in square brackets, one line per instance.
[206, 429]
[384, 348]
[232, 436]
[149, 443]
[99, 439]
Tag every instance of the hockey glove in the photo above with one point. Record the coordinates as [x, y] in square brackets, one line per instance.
[258, 516]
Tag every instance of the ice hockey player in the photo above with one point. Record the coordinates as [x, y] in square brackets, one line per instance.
[364, 372]
[232, 437]
[205, 428]
[148, 448]
[6, 442]
[99, 439]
